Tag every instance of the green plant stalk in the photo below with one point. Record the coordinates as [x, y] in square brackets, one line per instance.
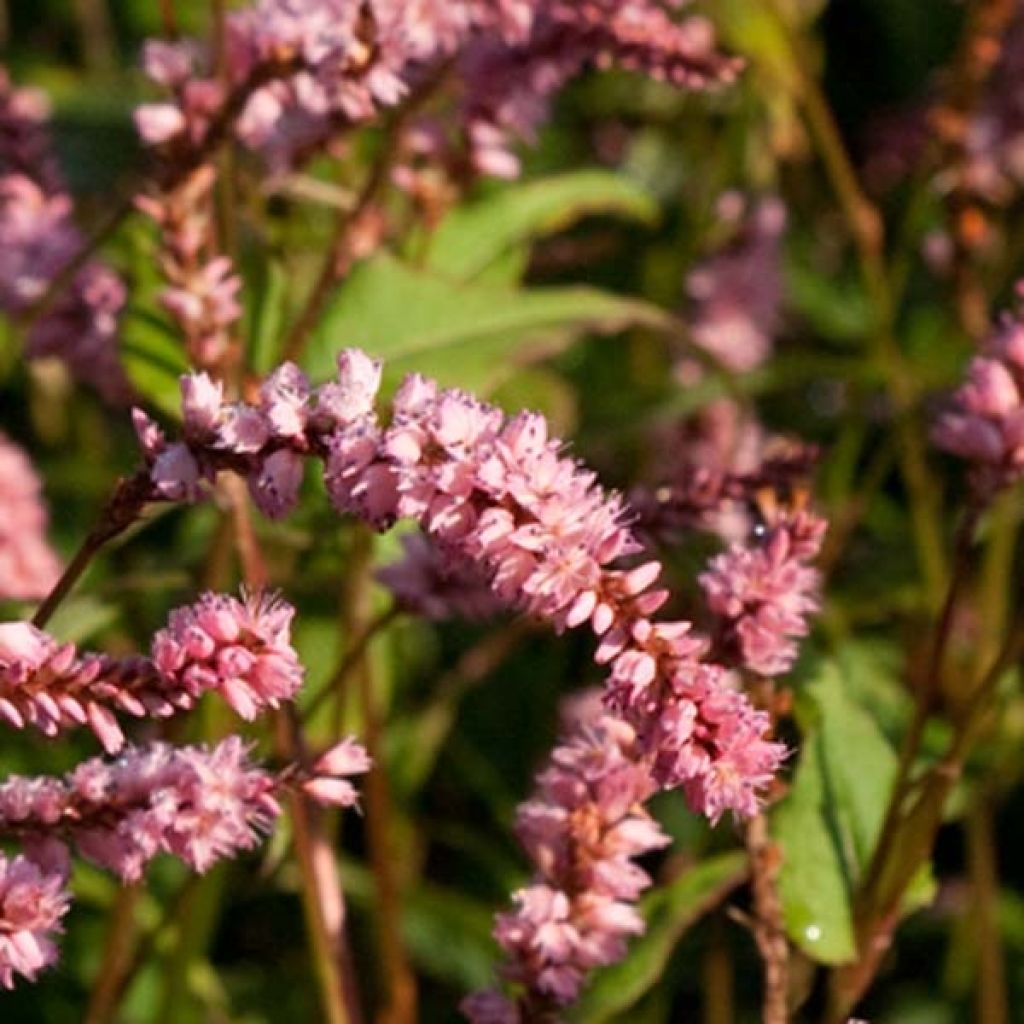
[992, 1001]
[197, 919]
[115, 967]
[866, 228]
[913, 838]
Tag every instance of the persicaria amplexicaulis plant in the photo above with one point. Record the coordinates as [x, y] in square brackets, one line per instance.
[353, 500]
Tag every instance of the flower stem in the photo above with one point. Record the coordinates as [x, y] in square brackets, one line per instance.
[769, 929]
[121, 511]
[865, 225]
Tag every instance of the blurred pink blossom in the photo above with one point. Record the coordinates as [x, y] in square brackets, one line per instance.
[28, 565]
[32, 903]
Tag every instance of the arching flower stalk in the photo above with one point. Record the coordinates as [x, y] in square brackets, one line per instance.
[496, 492]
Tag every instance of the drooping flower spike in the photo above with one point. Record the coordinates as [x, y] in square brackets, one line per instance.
[497, 492]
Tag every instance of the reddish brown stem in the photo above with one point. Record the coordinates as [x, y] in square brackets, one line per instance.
[769, 929]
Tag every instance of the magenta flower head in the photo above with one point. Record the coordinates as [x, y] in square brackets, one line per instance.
[242, 649]
[583, 830]
[32, 903]
[764, 593]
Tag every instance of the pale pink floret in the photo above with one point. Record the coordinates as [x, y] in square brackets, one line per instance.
[28, 565]
[329, 783]
[32, 903]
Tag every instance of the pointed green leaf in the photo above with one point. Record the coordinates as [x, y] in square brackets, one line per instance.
[829, 823]
[669, 911]
[470, 336]
[474, 236]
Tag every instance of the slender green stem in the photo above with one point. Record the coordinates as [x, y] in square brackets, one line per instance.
[992, 1001]
[866, 228]
[351, 660]
[121, 511]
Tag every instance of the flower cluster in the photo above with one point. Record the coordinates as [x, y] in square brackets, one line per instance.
[764, 591]
[24, 140]
[38, 240]
[28, 566]
[496, 492]
[32, 903]
[737, 293]
[583, 830]
[203, 288]
[239, 649]
[985, 424]
[299, 72]
[199, 804]
[509, 86]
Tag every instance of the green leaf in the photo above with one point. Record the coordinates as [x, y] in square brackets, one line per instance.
[80, 618]
[153, 359]
[471, 336]
[265, 313]
[474, 236]
[669, 911]
[813, 884]
[829, 824]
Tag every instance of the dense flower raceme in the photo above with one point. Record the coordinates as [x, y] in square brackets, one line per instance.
[239, 649]
[297, 72]
[203, 287]
[583, 829]
[764, 591]
[985, 423]
[38, 239]
[32, 903]
[497, 492]
[28, 565]
[198, 804]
